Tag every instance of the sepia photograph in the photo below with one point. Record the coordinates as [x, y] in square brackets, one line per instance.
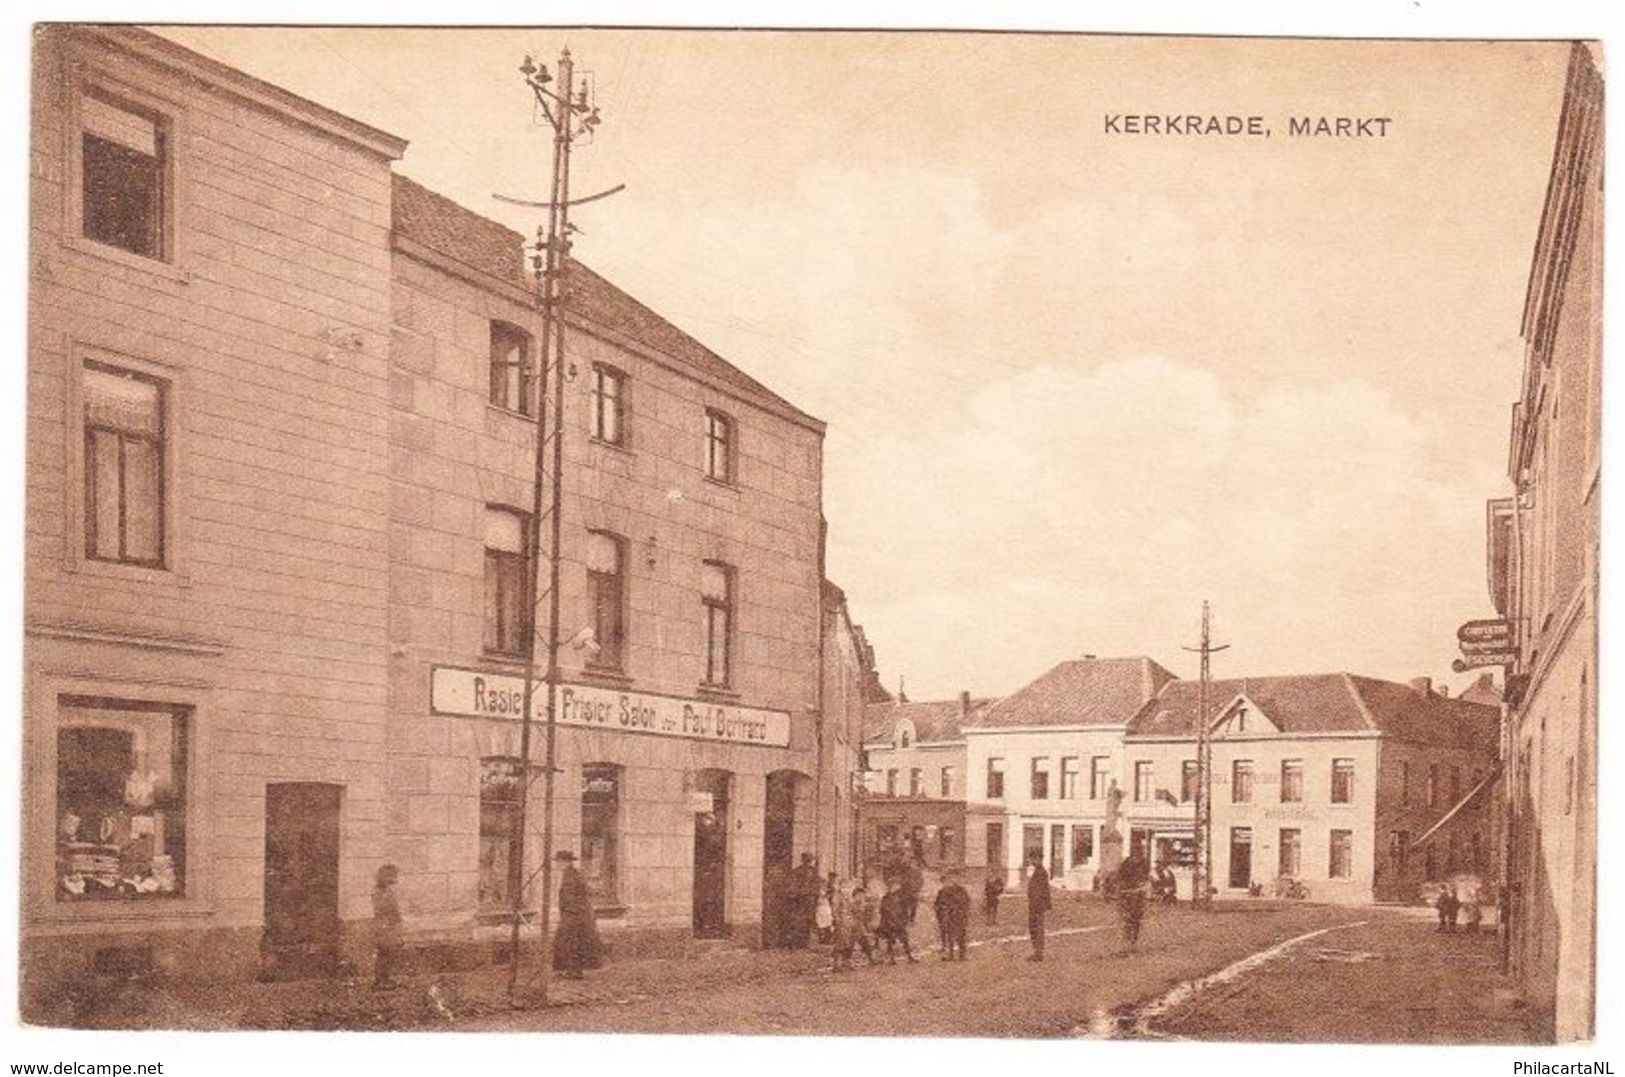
[863, 533]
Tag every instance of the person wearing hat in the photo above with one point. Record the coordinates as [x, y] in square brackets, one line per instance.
[575, 944]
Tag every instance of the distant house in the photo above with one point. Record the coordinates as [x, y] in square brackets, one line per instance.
[1360, 789]
[915, 782]
[1045, 768]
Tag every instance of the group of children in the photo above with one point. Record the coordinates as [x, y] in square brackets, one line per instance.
[859, 922]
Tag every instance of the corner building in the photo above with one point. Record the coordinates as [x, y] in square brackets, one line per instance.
[281, 433]
[691, 592]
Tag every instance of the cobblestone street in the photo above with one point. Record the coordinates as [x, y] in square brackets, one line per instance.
[1362, 975]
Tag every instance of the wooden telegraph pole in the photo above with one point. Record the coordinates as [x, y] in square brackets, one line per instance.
[1202, 876]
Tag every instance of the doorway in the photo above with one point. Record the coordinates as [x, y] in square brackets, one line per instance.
[778, 856]
[1241, 857]
[301, 937]
[711, 827]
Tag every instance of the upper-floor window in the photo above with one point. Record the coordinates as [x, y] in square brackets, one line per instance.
[1434, 792]
[891, 783]
[1241, 781]
[124, 466]
[1404, 785]
[916, 782]
[1190, 780]
[511, 375]
[608, 404]
[1099, 776]
[1069, 777]
[717, 599]
[1144, 777]
[995, 779]
[1291, 780]
[1342, 781]
[124, 176]
[1040, 778]
[719, 446]
[947, 785]
[606, 597]
[507, 608]
[904, 737]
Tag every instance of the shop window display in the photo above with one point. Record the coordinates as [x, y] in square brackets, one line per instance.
[120, 800]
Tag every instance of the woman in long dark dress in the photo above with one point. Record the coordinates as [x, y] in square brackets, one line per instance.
[575, 945]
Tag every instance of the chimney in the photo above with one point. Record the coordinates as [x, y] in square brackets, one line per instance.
[1422, 686]
[1088, 658]
[1443, 691]
[964, 705]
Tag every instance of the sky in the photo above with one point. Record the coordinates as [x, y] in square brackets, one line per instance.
[1076, 382]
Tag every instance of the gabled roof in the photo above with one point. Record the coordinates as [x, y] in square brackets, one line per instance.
[934, 723]
[1323, 703]
[1085, 692]
[497, 251]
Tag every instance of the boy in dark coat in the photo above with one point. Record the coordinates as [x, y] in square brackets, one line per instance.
[386, 929]
[991, 889]
[894, 923]
[953, 916]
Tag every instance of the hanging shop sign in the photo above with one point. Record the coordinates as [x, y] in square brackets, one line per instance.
[479, 694]
[1485, 643]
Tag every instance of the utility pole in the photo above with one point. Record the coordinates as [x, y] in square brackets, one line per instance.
[1202, 876]
[570, 112]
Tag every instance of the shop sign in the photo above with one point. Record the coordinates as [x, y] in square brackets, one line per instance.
[478, 694]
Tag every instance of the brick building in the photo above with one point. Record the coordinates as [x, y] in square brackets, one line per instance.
[1331, 780]
[914, 788]
[1543, 558]
[281, 431]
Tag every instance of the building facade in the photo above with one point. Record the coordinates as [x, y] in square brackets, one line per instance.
[1356, 790]
[1045, 769]
[282, 422]
[915, 782]
[1543, 550]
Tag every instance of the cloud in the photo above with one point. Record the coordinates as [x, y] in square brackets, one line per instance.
[1064, 511]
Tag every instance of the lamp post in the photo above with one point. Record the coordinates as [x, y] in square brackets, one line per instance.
[570, 112]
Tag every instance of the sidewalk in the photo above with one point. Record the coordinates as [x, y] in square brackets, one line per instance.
[1395, 979]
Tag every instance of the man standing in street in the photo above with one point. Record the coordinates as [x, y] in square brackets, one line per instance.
[1037, 906]
[1133, 880]
[804, 890]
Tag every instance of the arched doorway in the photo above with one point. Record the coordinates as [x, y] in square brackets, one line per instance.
[711, 825]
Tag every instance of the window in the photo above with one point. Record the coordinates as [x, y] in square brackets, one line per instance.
[499, 833]
[1241, 781]
[1190, 780]
[1040, 778]
[996, 852]
[1455, 784]
[1342, 781]
[1069, 777]
[1143, 778]
[1404, 785]
[124, 466]
[1399, 848]
[1099, 777]
[947, 786]
[1291, 780]
[916, 782]
[600, 832]
[719, 447]
[507, 609]
[995, 779]
[1032, 844]
[1433, 785]
[606, 598]
[608, 404]
[904, 737]
[945, 844]
[124, 178]
[1342, 855]
[1291, 864]
[1083, 844]
[891, 783]
[717, 594]
[511, 375]
[121, 771]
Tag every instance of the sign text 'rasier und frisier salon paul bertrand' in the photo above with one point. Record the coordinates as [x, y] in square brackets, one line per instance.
[494, 695]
